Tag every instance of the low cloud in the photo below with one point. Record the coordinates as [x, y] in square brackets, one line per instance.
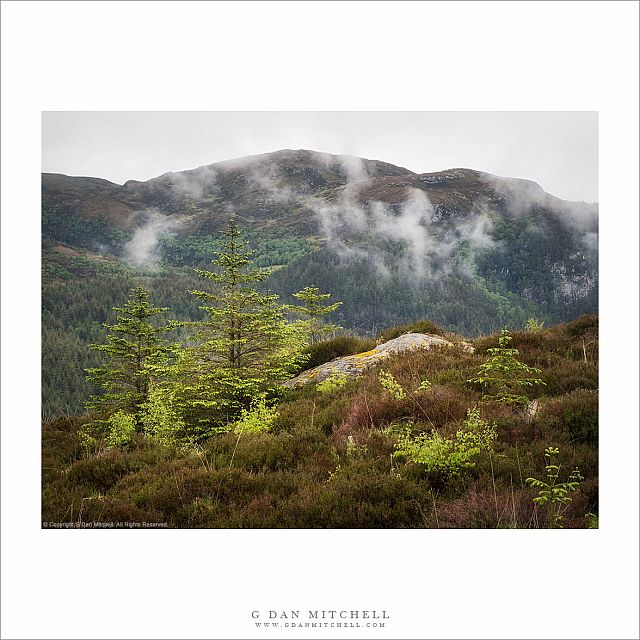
[524, 198]
[431, 248]
[193, 184]
[143, 250]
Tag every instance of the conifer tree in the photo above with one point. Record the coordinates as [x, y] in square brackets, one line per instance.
[314, 310]
[503, 377]
[246, 346]
[136, 355]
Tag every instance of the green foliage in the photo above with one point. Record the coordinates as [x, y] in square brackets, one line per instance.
[259, 417]
[88, 441]
[505, 376]
[136, 356]
[122, 428]
[554, 495]
[476, 432]
[313, 309]
[394, 389]
[196, 250]
[74, 315]
[593, 521]
[335, 381]
[442, 458]
[159, 417]
[425, 385]
[534, 325]
[355, 450]
[246, 348]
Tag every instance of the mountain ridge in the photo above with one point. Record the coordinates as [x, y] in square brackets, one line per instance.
[296, 155]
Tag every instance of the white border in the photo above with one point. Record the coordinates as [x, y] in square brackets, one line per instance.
[322, 56]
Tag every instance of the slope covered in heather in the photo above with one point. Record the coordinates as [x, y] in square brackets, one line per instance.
[329, 460]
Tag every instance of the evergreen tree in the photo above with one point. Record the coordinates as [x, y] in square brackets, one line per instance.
[246, 346]
[314, 310]
[503, 377]
[136, 355]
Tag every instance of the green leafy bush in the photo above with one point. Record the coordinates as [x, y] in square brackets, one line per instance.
[534, 325]
[334, 381]
[442, 458]
[259, 417]
[122, 428]
[160, 419]
[394, 389]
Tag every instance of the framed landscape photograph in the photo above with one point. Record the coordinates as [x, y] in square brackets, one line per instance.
[320, 320]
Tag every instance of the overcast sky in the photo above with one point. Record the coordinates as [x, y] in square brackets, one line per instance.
[559, 150]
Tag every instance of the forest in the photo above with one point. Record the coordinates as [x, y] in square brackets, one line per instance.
[190, 424]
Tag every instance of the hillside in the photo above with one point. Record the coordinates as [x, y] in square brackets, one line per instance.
[471, 251]
[334, 455]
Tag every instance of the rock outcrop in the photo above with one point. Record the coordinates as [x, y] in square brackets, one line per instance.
[356, 364]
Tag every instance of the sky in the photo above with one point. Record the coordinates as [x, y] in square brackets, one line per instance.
[557, 149]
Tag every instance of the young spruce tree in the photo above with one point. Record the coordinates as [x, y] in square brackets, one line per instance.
[314, 311]
[503, 377]
[137, 355]
[246, 346]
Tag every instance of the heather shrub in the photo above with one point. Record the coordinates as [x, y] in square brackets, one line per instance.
[442, 405]
[360, 497]
[327, 350]
[62, 499]
[507, 508]
[536, 343]
[575, 414]
[568, 376]
[330, 415]
[587, 324]
[371, 410]
[108, 509]
[422, 326]
[60, 442]
[103, 471]
[295, 411]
